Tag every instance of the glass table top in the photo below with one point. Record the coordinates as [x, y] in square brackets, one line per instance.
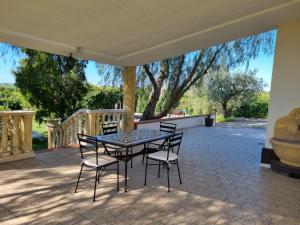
[134, 137]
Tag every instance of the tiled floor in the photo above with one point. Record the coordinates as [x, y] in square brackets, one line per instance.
[222, 184]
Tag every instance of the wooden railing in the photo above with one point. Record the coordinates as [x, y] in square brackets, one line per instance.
[82, 121]
[16, 135]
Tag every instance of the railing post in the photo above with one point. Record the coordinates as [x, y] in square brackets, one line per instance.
[87, 124]
[52, 125]
[27, 132]
[16, 134]
[16, 144]
[4, 137]
[97, 123]
[93, 124]
[50, 136]
[90, 123]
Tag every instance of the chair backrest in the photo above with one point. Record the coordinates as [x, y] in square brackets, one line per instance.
[167, 127]
[174, 143]
[87, 144]
[109, 128]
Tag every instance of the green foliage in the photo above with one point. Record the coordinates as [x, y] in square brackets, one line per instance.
[171, 78]
[142, 98]
[223, 86]
[50, 84]
[255, 107]
[221, 119]
[102, 97]
[192, 104]
[41, 129]
[12, 99]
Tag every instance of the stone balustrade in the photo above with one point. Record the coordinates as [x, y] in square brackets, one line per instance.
[82, 121]
[16, 135]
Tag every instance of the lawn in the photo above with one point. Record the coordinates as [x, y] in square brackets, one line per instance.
[41, 129]
[222, 119]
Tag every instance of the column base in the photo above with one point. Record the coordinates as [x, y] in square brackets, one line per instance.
[285, 169]
[267, 156]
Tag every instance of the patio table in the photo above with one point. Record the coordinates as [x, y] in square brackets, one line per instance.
[127, 140]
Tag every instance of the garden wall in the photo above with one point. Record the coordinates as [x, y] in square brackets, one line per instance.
[181, 122]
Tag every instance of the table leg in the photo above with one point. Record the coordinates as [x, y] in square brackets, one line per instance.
[126, 169]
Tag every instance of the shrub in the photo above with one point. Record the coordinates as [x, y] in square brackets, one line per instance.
[256, 107]
[102, 97]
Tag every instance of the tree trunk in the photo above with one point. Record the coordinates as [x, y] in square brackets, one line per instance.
[172, 102]
[224, 109]
[149, 111]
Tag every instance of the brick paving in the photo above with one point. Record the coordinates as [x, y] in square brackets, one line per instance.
[223, 183]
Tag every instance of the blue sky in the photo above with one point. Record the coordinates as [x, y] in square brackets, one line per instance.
[262, 63]
[264, 66]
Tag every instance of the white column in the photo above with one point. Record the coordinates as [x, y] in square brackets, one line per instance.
[285, 88]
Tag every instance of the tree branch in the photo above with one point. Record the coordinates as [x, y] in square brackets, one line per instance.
[150, 75]
[188, 85]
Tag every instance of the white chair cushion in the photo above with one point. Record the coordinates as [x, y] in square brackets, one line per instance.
[88, 145]
[102, 160]
[162, 155]
[159, 142]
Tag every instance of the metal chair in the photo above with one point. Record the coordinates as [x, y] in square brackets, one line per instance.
[92, 160]
[157, 145]
[109, 128]
[112, 128]
[165, 127]
[166, 157]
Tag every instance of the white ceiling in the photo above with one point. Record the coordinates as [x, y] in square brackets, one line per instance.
[133, 32]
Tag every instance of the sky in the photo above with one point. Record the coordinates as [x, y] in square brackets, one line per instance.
[262, 63]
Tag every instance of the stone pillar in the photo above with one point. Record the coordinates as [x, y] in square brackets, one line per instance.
[93, 124]
[129, 97]
[51, 125]
[16, 134]
[4, 137]
[87, 126]
[90, 123]
[97, 119]
[27, 133]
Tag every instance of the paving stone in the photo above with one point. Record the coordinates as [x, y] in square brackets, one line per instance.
[223, 183]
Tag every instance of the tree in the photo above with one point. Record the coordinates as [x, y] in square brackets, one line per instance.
[169, 79]
[102, 97]
[50, 83]
[223, 86]
[12, 99]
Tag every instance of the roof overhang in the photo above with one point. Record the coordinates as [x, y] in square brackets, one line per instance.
[134, 32]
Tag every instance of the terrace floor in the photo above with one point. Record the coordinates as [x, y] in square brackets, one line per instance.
[223, 183]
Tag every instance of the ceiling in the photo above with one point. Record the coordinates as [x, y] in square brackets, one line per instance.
[134, 32]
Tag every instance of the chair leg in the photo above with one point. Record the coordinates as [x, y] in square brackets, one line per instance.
[131, 158]
[78, 178]
[144, 153]
[143, 158]
[178, 172]
[95, 185]
[168, 174]
[158, 175]
[146, 170]
[118, 172]
[99, 175]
